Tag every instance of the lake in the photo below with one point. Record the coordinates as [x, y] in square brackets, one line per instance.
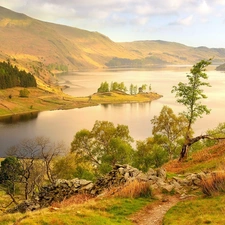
[61, 125]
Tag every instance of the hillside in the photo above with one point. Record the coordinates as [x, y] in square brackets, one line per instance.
[174, 53]
[25, 38]
[37, 46]
[221, 67]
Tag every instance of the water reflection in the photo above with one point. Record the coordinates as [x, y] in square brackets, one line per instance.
[19, 118]
[61, 125]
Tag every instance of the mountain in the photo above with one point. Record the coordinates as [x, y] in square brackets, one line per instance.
[174, 53]
[23, 37]
[221, 67]
[40, 46]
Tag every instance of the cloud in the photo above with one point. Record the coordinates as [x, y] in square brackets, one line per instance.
[187, 21]
[136, 15]
[204, 8]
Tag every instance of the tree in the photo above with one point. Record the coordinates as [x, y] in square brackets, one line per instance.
[144, 87]
[35, 157]
[190, 95]
[70, 166]
[149, 154]
[10, 176]
[103, 146]
[217, 134]
[135, 89]
[118, 86]
[104, 87]
[169, 129]
[131, 89]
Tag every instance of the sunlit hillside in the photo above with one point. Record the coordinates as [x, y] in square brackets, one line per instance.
[207, 159]
[24, 38]
[174, 53]
[44, 48]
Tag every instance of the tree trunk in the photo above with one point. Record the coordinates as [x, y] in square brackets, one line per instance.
[190, 141]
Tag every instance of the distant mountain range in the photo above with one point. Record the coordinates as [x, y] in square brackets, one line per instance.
[40, 46]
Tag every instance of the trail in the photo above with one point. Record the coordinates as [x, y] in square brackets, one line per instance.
[154, 213]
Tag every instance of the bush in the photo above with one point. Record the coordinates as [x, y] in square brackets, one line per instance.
[24, 93]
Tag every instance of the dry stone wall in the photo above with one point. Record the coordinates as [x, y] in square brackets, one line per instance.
[120, 174]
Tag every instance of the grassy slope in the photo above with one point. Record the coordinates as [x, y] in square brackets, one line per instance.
[208, 159]
[93, 212]
[51, 43]
[200, 210]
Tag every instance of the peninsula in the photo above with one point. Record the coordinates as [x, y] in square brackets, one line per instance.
[38, 99]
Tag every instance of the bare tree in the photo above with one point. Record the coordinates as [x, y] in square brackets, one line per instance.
[35, 157]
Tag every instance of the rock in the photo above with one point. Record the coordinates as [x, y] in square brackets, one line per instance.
[167, 188]
[161, 172]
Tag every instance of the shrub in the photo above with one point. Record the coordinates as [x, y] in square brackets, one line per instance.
[24, 93]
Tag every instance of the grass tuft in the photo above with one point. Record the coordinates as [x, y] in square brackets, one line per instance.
[214, 184]
[134, 189]
[76, 199]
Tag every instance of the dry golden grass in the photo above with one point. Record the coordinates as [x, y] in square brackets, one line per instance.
[211, 158]
[74, 200]
[133, 189]
[215, 184]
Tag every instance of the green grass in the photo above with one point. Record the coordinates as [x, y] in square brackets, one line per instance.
[200, 211]
[95, 212]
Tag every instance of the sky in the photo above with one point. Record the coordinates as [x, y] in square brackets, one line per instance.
[191, 22]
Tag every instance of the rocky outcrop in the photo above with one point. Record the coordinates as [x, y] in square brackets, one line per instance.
[120, 174]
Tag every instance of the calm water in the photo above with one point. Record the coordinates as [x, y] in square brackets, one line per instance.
[61, 125]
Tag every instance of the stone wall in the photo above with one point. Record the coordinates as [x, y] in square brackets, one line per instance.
[119, 175]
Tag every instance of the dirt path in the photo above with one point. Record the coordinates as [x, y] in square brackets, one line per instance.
[154, 213]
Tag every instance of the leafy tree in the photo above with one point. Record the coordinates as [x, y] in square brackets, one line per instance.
[131, 89]
[190, 95]
[118, 86]
[104, 87]
[144, 87]
[135, 89]
[10, 175]
[103, 146]
[169, 130]
[122, 87]
[217, 134]
[149, 154]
